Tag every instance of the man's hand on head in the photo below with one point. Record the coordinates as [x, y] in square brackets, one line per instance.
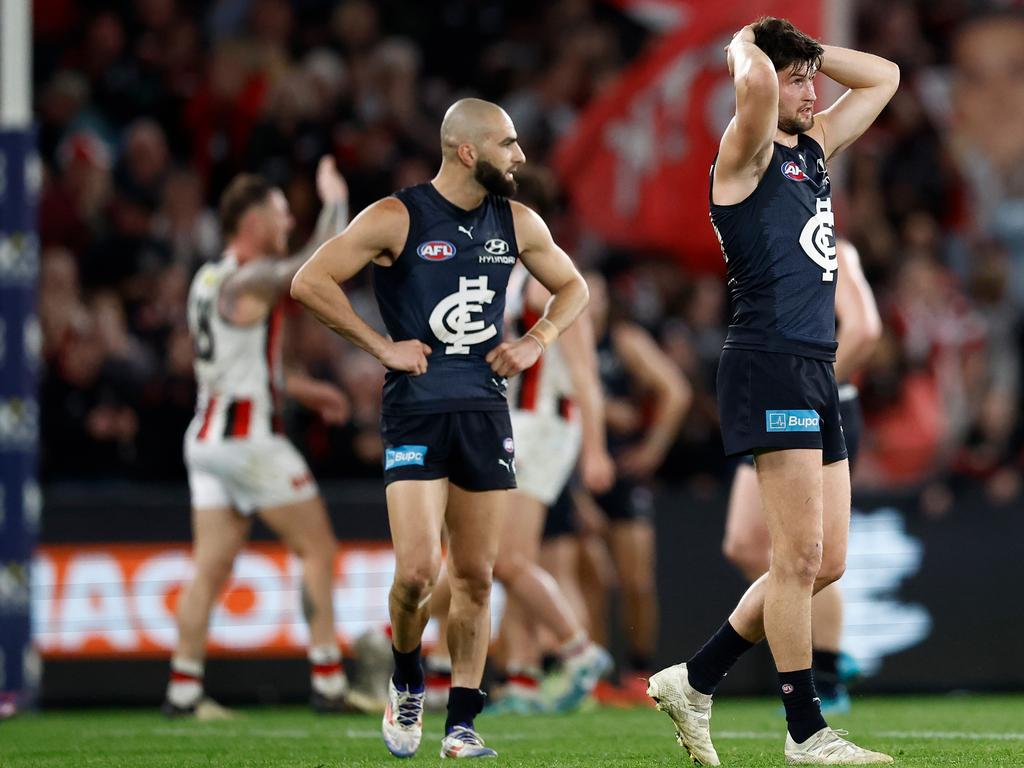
[745, 35]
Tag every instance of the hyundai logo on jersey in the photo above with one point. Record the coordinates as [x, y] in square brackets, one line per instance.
[405, 456]
[793, 171]
[792, 421]
[496, 246]
[436, 250]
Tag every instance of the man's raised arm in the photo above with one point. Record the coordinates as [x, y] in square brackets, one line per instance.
[872, 81]
[251, 291]
[752, 130]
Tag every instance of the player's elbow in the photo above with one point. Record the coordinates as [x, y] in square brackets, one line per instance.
[576, 288]
[301, 288]
[584, 291]
[872, 333]
[682, 396]
[892, 76]
[866, 336]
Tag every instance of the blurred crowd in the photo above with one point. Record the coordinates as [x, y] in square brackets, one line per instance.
[147, 108]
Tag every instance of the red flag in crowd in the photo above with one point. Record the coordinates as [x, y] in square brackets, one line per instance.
[636, 163]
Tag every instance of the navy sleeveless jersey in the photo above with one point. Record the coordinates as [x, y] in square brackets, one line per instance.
[614, 378]
[780, 253]
[615, 382]
[447, 289]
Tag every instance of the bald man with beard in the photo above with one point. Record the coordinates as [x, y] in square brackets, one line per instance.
[442, 253]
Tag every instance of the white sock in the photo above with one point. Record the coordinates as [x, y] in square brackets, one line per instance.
[575, 645]
[185, 687]
[326, 673]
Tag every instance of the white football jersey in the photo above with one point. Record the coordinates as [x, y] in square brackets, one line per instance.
[235, 365]
[546, 387]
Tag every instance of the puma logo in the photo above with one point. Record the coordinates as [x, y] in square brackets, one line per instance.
[509, 465]
[467, 232]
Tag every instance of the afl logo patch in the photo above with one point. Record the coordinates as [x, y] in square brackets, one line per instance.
[508, 445]
[496, 247]
[436, 250]
[793, 171]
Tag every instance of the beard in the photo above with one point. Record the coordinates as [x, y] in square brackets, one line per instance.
[493, 180]
[796, 124]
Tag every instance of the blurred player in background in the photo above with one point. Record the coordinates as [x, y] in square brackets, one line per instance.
[558, 420]
[747, 542]
[634, 371]
[771, 207]
[442, 253]
[239, 463]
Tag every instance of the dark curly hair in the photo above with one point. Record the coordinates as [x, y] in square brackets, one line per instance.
[786, 45]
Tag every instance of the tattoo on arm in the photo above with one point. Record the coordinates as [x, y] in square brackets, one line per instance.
[332, 220]
[268, 278]
[308, 606]
[263, 278]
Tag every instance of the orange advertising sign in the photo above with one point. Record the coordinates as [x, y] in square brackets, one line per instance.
[119, 599]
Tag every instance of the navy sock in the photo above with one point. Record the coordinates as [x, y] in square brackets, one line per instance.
[826, 672]
[714, 660]
[464, 704]
[803, 708]
[408, 669]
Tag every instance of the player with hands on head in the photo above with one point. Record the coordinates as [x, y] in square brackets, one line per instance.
[771, 207]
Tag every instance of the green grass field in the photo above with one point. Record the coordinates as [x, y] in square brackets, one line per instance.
[918, 731]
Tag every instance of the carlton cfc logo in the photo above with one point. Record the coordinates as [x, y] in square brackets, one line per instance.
[436, 250]
[793, 171]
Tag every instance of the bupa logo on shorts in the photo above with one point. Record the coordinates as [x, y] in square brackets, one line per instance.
[792, 421]
[405, 456]
[793, 172]
[436, 250]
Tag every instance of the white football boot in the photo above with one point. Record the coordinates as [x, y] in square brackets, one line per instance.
[827, 747]
[689, 709]
[465, 742]
[402, 726]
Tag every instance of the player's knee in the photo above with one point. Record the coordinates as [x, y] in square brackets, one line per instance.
[321, 549]
[475, 583]
[800, 561]
[746, 554]
[639, 582]
[830, 572]
[412, 586]
[508, 566]
[211, 573]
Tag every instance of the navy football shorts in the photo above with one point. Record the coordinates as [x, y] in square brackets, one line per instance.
[473, 449]
[770, 401]
[627, 500]
[561, 517]
[852, 419]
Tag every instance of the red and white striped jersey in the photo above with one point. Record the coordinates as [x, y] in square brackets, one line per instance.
[546, 386]
[235, 365]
